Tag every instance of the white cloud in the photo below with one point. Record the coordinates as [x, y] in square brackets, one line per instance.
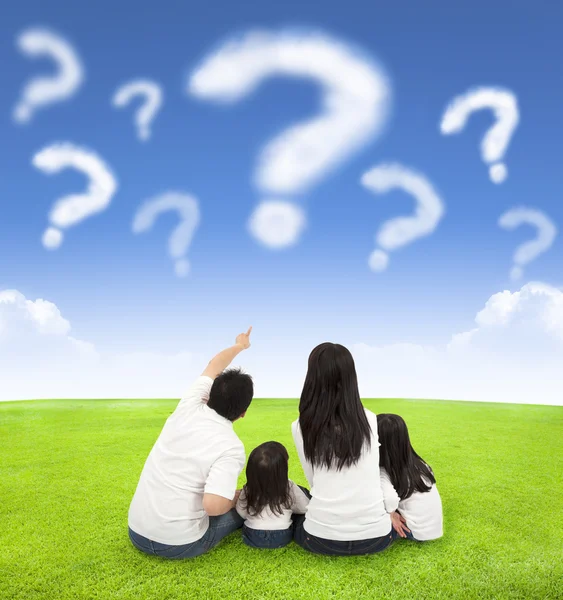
[505, 106]
[52, 238]
[355, 107]
[535, 312]
[72, 209]
[498, 173]
[39, 359]
[514, 354]
[378, 260]
[144, 116]
[187, 207]
[526, 253]
[46, 90]
[356, 97]
[277, 224]
[403, 230]
[39, 316]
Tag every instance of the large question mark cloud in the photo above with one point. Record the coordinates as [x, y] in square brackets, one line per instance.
[356, 99]
[505, 106]
[526, 253]
[188, 209]
[70, 210]
[46, 90]
[151, 92]
[403, 230]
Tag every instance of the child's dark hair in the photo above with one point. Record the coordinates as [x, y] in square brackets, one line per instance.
[406, 470]
[267, 483]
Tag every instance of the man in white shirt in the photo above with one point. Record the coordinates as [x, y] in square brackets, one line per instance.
[184, 502]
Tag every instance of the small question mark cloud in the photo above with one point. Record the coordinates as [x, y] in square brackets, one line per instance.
[403, 230]
[151, 92]
[188, 209]
[526, 253]
[356, 100]
[70, 210]
[46, 90]
[505, 106]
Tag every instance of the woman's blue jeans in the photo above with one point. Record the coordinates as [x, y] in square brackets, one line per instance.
[318, 545]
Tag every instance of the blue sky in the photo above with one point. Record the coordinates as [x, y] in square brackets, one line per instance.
[119, 291]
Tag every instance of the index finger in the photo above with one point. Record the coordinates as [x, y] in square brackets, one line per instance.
[249, 330]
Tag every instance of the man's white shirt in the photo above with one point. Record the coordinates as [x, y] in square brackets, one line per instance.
[197, 452]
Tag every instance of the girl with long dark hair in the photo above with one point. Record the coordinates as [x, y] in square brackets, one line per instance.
[336, 440]
[408, 483]
[269, 499]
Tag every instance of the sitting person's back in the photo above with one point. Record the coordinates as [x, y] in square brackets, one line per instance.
[197, 452]
[346, 503]
[336, 441]
[185, 498]
[407, 482]
[269, 499]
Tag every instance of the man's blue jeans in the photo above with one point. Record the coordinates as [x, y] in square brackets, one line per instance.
[219, 527]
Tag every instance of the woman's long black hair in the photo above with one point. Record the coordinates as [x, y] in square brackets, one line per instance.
[332, 419]
[406, 470]
[267, 483]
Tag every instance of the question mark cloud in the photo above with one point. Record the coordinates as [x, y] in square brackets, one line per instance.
[151, 92]
[505, 106]
[403, 230]
[70, 210]
[46, 90]
[178, 243]
[526, 253]
[355, 97]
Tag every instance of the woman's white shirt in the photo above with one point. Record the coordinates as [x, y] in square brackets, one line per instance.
[266, 519]
[422, 510]
[346, 504]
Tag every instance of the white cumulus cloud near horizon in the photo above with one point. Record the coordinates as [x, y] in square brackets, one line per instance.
[40, 359]
[513, 353]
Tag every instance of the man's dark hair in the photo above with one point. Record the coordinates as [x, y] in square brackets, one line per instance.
[231, 393]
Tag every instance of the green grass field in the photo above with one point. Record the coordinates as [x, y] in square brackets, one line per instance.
[69, 470]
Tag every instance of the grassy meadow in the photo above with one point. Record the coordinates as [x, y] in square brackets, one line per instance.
[68, 470]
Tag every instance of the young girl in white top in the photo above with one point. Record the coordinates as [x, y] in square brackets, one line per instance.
[269, 499]
[408, 483]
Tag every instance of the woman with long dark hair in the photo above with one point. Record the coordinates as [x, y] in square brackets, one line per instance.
[337, 444]
[408, 483]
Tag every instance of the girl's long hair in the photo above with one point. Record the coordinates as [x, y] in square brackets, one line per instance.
[332, 419]
[407, 471]
[267, 483]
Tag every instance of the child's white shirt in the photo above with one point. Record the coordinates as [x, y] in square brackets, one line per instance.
[422, 510]
[266, 520]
